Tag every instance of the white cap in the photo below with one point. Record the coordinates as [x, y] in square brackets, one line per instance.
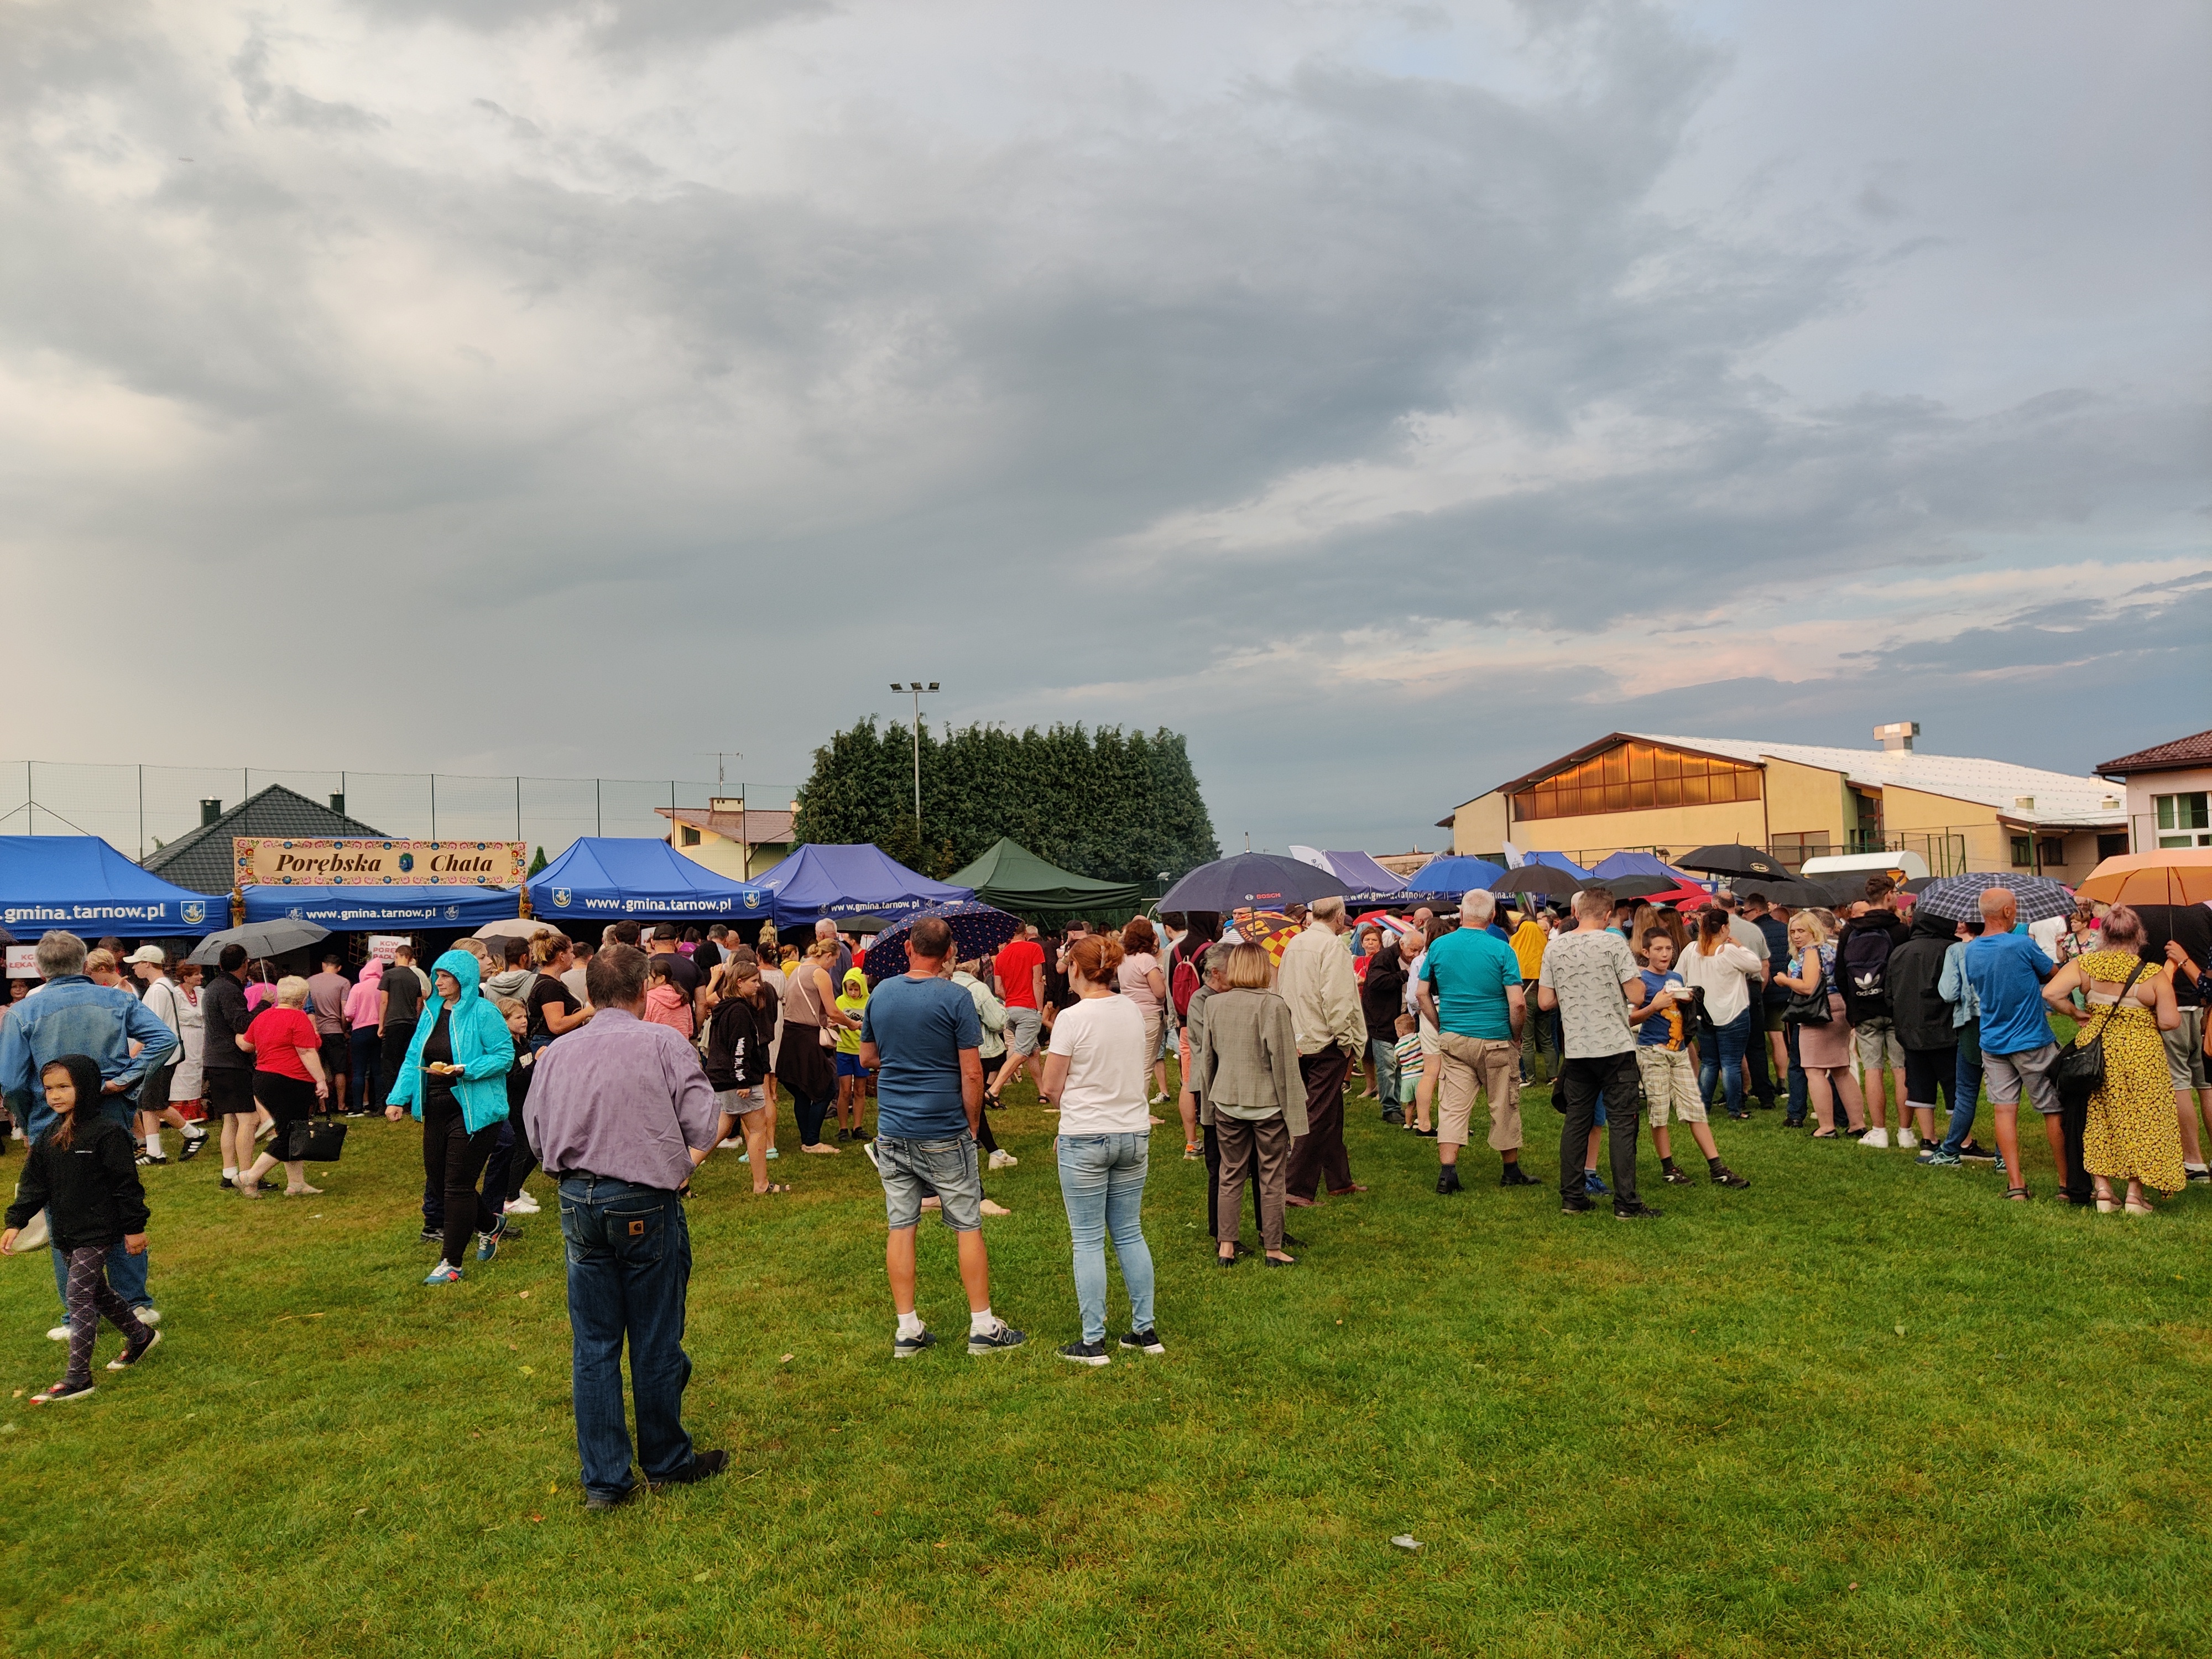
[153, 953]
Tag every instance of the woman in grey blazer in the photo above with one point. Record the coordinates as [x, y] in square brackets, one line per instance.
[1250, 1096]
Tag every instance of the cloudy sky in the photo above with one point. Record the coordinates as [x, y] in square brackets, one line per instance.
[1388, 396]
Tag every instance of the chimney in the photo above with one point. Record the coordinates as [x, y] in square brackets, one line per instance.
[1896, 737]
[210, 809]
[337, 803]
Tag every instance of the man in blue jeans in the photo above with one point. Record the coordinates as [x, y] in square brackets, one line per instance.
[71, 1015]
[620, 1113]
[921, 1036]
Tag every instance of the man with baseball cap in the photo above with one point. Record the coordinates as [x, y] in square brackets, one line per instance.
[149, 964]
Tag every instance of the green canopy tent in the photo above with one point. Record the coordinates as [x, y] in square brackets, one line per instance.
[1011, 878]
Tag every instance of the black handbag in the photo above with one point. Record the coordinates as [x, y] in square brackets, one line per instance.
[308, 1142]
[2080, 1070]
[1811, 1007]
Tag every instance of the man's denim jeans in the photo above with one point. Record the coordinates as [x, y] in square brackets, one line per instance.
[630, 1262]
[1102, 1181]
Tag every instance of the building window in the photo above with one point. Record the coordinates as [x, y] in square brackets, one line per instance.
[1633, 776]
[2023, 852]
[2111, 847]
[690, 836]
[2052, 853]
[2183, 820]
[1793, 848]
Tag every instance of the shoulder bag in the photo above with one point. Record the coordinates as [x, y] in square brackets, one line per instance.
[2080, 1070]
[1811, 1007]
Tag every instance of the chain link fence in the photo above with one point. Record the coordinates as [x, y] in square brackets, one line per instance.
[137, 809]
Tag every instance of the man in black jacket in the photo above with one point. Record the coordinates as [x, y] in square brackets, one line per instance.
[1863, 951]
[1382, 999]
[1922, 1020]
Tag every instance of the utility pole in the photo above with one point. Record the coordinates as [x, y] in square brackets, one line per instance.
[917, 688]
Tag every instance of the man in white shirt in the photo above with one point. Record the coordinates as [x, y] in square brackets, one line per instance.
[1592, 980]
[1323, 987]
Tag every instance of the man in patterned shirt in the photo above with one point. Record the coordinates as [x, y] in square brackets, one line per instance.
[1589, 976]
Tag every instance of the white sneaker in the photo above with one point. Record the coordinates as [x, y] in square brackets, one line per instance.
[1003, 1159]
[1906, 1138]
[734, 1143]
[1875, 1137]
[522, 1204]
[59, 1334]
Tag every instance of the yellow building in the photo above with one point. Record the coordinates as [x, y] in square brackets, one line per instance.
[728, 839]
[1636, 792]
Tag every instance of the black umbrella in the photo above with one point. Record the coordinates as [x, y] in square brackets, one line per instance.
[1264, 881]
[863, 924]
[1636, 887]
[1797, 894]
[977, 930]
[1730, 858]
[1540, 879]
[260, 939]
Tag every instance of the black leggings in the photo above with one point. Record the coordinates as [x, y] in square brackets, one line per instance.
[453, 1158]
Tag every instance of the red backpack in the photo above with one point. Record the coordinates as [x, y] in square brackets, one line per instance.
[1184, 985]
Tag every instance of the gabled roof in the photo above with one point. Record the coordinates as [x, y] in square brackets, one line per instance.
[2060, 798]
[202, 858]
[2174, 756]
[761, 826]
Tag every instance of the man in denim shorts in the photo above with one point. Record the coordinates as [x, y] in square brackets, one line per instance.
[922, 1035]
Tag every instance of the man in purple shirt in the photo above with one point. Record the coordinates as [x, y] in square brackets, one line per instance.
[620, 1113]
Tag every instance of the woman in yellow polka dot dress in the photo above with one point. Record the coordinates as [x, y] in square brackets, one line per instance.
[2132, 1134]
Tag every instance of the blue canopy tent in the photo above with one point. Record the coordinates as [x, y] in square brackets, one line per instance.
[81, 883]
[1449, 877]
[608, 878]
[848, 880]
[1370, 884]
[1638, 864]
[365, 906]
[1557, 861]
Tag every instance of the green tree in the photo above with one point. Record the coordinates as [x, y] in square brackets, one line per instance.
[539, 862]
[1118, 805]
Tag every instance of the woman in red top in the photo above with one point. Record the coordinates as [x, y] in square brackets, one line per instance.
[287, 1080]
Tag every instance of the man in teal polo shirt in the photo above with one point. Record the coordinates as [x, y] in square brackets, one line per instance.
[1470, 991]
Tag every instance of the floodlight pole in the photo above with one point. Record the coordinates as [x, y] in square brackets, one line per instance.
[918, 689]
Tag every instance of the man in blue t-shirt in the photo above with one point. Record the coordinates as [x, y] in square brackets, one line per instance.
[922, 1038]
[2007, 971]
[1470, 990]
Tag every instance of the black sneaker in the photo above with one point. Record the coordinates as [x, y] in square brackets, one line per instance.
[1674, 1177]
[844, 1134]
[1576, 1204]
[2197, 1176]
[1634, 1210]
[1144, 1341]
[228, 1182]
[704, 1466]
[996, 1341]
[193, 1147]
[1086, 1353]
[146, 1161]
[1394, 1115]
[1427, 1134]
[1514, 1176]
[1724, 1177]
[905, 1348]
[599, 1502]
[428, 1235]
[1448, 1181]
[1972, 1151]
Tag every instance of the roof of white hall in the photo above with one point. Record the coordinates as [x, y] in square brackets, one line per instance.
[2060, 798]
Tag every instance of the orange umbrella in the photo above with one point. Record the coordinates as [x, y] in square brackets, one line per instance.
[2174, 875]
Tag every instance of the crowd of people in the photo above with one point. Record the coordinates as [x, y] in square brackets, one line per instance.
[619, 1065]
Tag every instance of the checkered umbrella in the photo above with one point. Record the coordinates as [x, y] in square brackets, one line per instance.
[1958, 898]
[977, 930]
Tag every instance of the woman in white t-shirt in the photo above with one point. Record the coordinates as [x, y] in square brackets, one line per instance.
[1727, 973]
[1095, 1074]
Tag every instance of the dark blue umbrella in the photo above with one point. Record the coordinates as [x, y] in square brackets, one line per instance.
[1958, 898]
[1264, 881]
[978, 930]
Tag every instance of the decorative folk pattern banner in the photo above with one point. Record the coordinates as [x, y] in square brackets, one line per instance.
[268, 860]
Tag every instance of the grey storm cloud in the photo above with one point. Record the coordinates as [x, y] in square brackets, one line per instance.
[1099, 387]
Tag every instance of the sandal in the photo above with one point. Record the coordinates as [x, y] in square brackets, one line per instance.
[2018, 1194]
[773, 1186]
[2132, 1208]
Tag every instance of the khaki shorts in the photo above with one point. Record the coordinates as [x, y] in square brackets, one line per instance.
[1494, 1066]
[2185, 1051]
[1670, 1081]
[1879, 1049]
[1427, 1033]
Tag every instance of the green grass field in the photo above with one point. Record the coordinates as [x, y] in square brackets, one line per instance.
[1861, 1409]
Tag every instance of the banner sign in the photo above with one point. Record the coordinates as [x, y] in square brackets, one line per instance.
[268, 860]
[382, 946]
[23, 961]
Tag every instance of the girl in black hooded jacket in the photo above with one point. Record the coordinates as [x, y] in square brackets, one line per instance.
[83, 1172]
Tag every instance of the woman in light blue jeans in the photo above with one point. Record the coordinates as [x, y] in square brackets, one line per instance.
[1094, 1073]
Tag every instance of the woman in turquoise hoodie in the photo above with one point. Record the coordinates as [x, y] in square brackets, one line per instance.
[454, 1081]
